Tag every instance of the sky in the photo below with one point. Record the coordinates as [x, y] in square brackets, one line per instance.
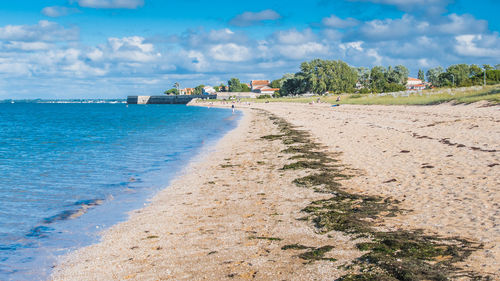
[113, 48]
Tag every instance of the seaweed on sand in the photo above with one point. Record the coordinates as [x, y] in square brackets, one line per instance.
[392, 255]
[312, 254]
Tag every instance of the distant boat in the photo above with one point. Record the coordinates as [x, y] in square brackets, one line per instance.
[11, 101]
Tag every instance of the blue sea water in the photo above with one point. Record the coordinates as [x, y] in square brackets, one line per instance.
[68, 171]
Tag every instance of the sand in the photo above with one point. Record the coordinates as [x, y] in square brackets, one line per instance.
[232, 210]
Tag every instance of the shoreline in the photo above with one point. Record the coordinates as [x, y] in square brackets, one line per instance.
[222, 220]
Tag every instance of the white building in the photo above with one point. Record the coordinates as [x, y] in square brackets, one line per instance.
[415, 84]
[208, 90]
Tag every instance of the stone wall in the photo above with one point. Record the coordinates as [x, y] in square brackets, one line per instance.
[180, 99]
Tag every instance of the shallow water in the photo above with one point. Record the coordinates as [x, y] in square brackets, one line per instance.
[69, 170]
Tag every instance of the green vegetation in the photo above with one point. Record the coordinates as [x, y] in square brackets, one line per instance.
[264, 97]
[265, 238]
[313, 254]
[199, 90]
[323, 77]
[463, 75]
[234, 85]
[421, 75]
[320, 76]
[172, 91]
[245, 88]
[408, 255]
[426, 97]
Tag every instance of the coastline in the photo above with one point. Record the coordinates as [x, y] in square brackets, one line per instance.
[232, 212]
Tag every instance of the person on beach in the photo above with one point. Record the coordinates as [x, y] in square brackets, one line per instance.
[338, 99]
[232, 106]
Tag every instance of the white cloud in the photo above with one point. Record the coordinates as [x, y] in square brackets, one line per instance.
[335, 22]
[303, 51]
[293, 36]
[127, 49]
[230, 52]
[193, 61]
[408, 27]
[389, 29]
[456, 24]
[26, 46]
[43, 31]
[58, 11]
[47, 51]
[111, 4]
[477, 45]
[352, 45]
[16, 68]
[202, 39]
[81, 69]
[251, 18]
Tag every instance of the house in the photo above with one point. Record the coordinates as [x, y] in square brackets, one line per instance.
[256, 85]
[417, 87]
[415, 84]
[268, 90]
[208, 90]
[186, 91]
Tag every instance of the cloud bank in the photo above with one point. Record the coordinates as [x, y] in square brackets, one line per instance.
[51, 59]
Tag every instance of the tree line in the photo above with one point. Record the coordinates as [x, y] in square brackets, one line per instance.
[335, 76]
[322, 76]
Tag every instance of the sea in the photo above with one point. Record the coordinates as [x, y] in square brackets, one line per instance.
[71, 170]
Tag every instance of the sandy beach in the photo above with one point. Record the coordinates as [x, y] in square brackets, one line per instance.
[235, 212]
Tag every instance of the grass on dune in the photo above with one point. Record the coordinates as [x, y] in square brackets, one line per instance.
[489, 93]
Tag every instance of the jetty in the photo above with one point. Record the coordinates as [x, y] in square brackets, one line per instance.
[177, 99]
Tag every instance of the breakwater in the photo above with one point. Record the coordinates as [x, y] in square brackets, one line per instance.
[179, 99]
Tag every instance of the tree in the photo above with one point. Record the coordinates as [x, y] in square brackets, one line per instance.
[476, 74]
[276, 83]
[475, 70]
[199, 90]
[245, 88]
[394, 87]
[327, 75]
[222, 87]
[460, 73]
[421, 75]
[433, 75]
[378, 79]
[177, 85]
[234, 85]
[363, 77]
[497, 67]
[488, 67]
[294, 86]
[402, 73]
[446, 79]
[391, 76]
[172, 91]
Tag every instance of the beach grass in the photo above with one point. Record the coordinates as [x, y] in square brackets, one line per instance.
[491, 94]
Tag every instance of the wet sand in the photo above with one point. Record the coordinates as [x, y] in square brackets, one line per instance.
[228, 216]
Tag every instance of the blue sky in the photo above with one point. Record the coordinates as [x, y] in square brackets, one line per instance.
[115, 48]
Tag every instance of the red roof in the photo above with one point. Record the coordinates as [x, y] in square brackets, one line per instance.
[260, 82]
[413, 79]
